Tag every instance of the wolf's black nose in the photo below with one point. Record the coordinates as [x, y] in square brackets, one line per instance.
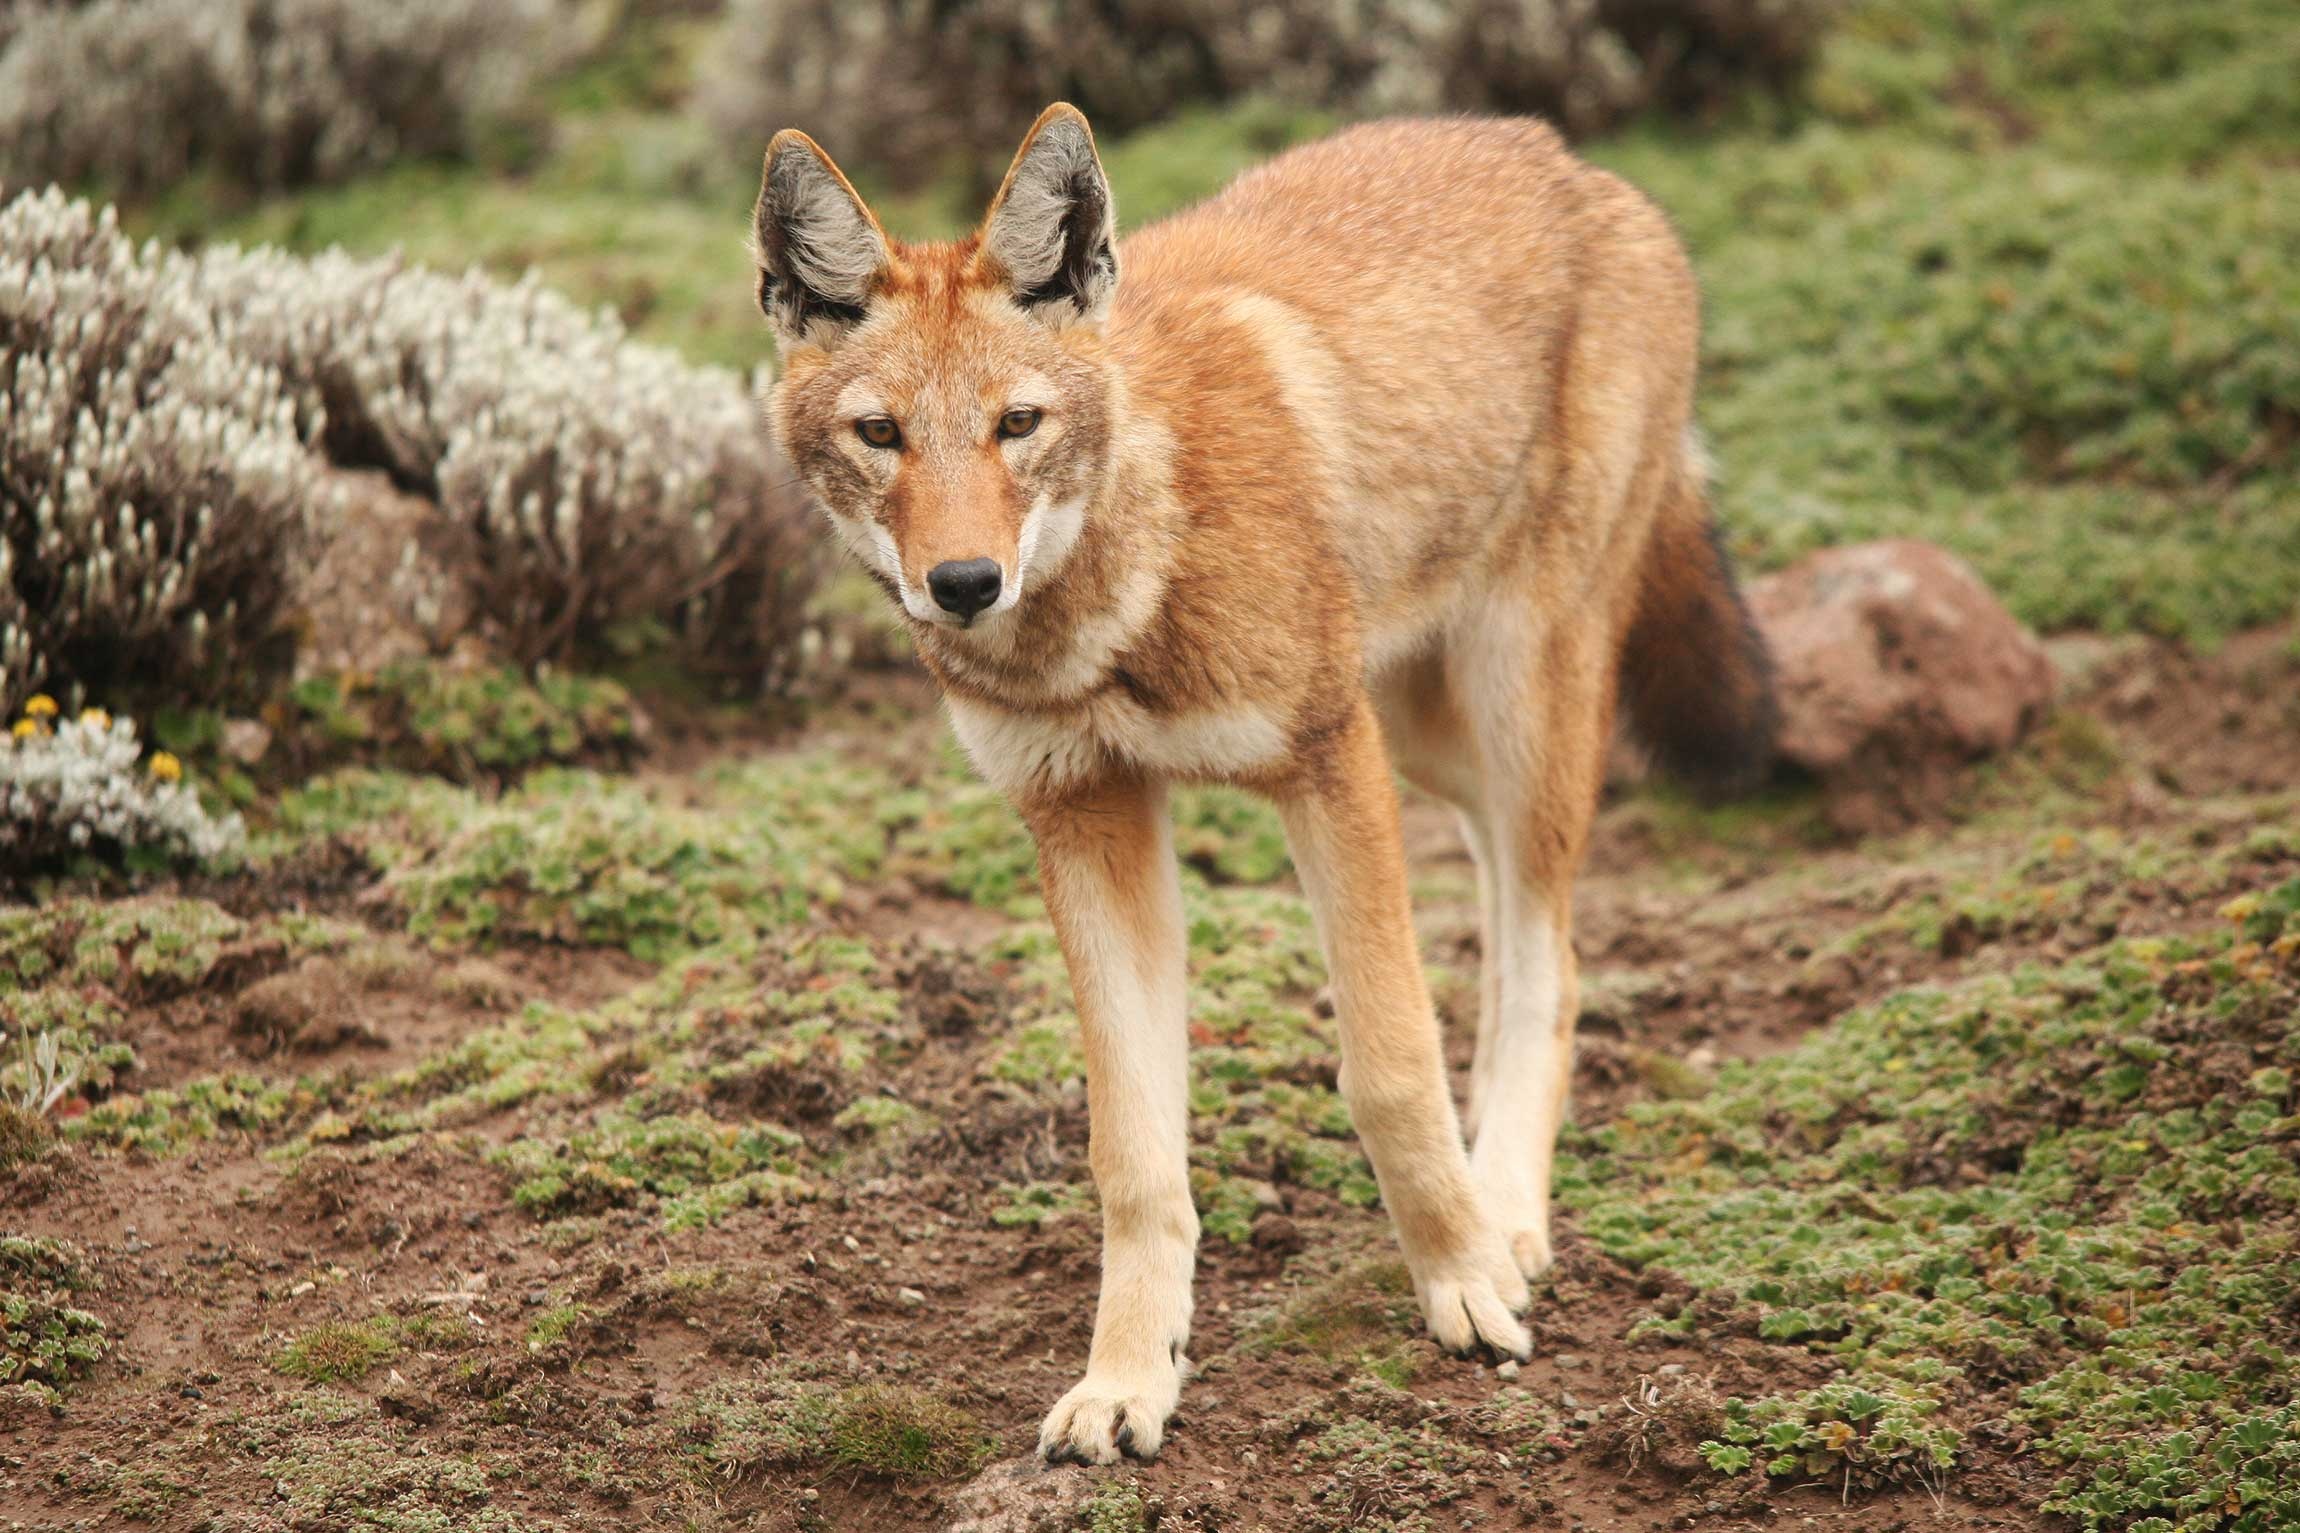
[964, 586]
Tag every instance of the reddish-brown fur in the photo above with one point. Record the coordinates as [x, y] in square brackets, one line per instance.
[1382, 452]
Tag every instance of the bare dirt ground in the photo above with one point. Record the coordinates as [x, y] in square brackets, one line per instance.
[547, 1373]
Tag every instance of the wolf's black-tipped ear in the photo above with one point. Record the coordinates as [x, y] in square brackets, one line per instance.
[1052, 227]
[819, 249]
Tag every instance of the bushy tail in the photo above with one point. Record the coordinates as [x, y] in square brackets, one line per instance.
[1696, 679]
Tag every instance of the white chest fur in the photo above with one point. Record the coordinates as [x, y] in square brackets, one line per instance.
[1029, 753]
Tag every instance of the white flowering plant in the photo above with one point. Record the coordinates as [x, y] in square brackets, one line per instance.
[605, 488]
[73, 790]
[154, 490]
[173, 427]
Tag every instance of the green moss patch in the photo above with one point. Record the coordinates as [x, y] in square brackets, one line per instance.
[2064, 1202]
[46, 1340]
[2009, 281]
[146, 948]
[1362, 1316]
[490, 723]
[681, 1158]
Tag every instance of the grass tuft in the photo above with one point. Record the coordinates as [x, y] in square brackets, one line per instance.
[780, 1420]
[904, 1434]
[25, 1136]
[340, 1351]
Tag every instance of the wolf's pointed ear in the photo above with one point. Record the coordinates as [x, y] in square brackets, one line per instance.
[819, 249]
[1052, 228]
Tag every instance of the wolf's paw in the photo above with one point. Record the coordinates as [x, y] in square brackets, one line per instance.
[1530, 1246]
[1108, 1416]
[1472, 1305]
[1523, 1220]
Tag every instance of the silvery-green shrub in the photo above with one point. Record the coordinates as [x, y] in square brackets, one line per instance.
[130, 94]
[605, 486]
[154, 488]
[170, 421]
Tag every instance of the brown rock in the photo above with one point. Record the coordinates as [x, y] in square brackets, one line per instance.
[388, 583]
[1018, 1496]
[404, 1402]
[246, 740]
[1896, 667]
[1276, 1234]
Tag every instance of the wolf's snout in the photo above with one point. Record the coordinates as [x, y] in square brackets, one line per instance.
[963, 587]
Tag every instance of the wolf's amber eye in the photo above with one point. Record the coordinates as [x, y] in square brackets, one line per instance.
[1018, 423]
[878, 431]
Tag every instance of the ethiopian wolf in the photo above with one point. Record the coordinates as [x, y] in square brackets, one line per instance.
[1381, 457]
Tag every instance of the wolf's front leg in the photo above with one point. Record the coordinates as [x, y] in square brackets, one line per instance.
[1106, 861]
[1343, 828]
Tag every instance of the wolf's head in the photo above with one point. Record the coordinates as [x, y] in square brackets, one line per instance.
[949, 403]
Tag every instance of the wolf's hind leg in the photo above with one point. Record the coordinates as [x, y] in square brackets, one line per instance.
[1429, 737]
[1541, 701]
[1343, 828]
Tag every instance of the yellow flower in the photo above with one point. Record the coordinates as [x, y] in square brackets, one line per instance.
[41, 706]
[26, 728]
[165, 767]
[95, 718]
